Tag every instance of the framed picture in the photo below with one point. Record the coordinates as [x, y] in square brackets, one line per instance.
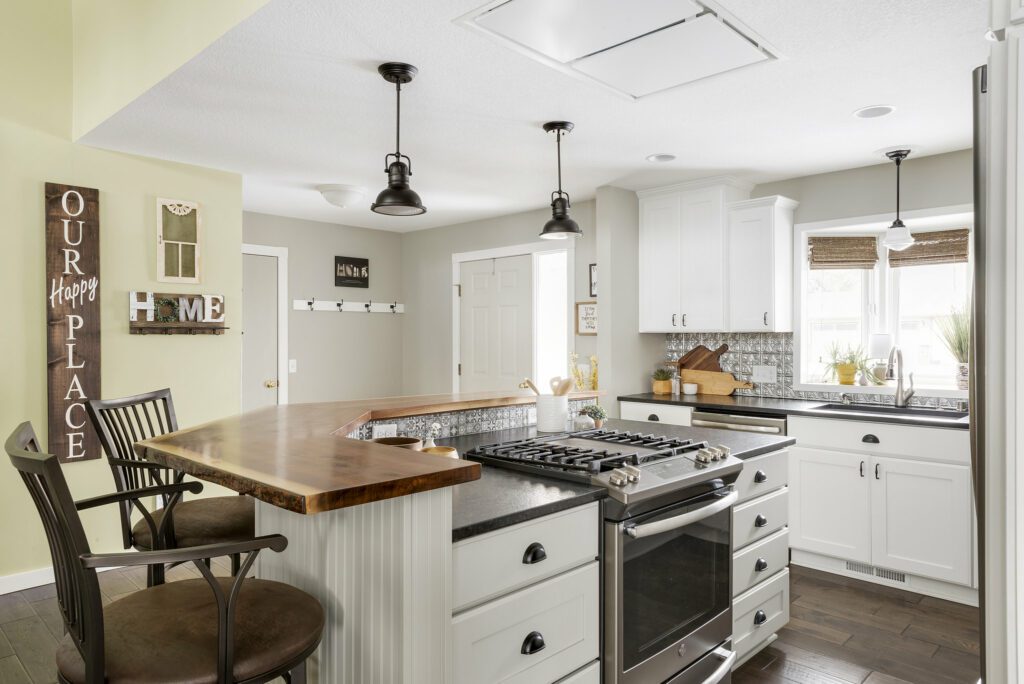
[178, 230]
[586, 318]
[593, 280]
[351, 272]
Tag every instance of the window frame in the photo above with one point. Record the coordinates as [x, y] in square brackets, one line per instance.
[161, 243]
[881, 304]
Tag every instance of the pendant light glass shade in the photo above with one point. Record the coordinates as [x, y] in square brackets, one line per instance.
[398, 199]
[897, 237]
[560, 227]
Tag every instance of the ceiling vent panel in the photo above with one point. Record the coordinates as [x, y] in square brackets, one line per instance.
[683, 53]
[632, 48]
[564, 30]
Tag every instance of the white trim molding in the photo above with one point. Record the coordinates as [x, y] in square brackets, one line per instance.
[281, 254]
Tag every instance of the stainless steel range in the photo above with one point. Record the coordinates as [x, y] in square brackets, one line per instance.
[667, 556]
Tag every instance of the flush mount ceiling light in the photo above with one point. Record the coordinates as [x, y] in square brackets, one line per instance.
[560, 226]
[897, 237]
[398, 199]
[341, 195]
[660, 158]
[874, 111]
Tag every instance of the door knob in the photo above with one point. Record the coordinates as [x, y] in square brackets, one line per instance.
[270, 384]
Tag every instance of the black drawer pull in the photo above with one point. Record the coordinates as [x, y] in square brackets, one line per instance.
[760, 565]
[533, 642]
[760, 521]
[653, 417]
[870, 439]
[760, 476]
[760, 618]
[535, 553]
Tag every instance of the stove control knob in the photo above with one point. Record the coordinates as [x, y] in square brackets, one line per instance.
[726, 451]
[716, 455]
[632, 473]
[618, 478]
[703, 456]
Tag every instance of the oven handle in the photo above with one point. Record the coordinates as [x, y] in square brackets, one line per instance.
[649, 529]
[739, 427]
[728, 658]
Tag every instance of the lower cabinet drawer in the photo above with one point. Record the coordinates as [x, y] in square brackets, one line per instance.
[658, 413]
[762, 474]
[759, 517]
[759, 561]
[759, 613]
[588, 675]
[555, 622]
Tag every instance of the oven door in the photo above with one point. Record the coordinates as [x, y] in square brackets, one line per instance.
[667, 588]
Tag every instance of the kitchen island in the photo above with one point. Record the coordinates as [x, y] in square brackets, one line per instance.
[369, 526]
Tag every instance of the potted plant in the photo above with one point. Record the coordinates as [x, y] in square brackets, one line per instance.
[955, 332]
[661, 381]
[596, 413]
[845, 362]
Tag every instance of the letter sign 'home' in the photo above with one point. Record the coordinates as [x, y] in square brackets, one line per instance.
[73, 319]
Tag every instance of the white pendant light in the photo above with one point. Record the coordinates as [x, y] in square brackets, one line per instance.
[897, 237]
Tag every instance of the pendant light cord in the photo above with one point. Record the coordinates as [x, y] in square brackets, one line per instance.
[898, 188]
[398, 120]
[558, 145]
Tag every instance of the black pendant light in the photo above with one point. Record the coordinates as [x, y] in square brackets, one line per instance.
[560, 226]
[398, 199]
[897, 237]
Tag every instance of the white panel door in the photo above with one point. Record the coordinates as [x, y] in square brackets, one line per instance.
[259, 331]
[659, 264]
[830, 503]
[921, 518]
[749, 261]
[700, 261]
[496, 321]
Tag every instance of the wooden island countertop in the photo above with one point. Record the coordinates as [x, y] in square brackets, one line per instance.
[298, 457]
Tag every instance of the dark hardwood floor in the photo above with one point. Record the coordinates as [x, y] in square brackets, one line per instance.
[845, 631]
[841, 631]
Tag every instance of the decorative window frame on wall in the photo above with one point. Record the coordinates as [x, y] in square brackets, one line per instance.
[179, 208]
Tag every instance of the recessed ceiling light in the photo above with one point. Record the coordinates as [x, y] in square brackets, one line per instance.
[660, 158]
[874, 111]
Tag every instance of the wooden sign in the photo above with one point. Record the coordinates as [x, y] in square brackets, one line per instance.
[161, 313]
[72, 319]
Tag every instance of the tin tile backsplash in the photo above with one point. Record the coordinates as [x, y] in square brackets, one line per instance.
[747, 350]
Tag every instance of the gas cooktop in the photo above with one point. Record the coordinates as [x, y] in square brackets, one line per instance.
[631, 465]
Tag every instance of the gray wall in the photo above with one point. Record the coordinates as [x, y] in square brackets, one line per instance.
[941, 180]
[427, 286]
[345, 355]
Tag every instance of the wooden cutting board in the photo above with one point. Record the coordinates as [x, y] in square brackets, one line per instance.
[713, 383]
[703, 359]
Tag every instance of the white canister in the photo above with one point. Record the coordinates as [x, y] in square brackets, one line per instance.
[552, 412]
[689, 388]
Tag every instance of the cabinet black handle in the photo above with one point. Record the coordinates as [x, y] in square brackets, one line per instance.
[534, 553]
[760, 618]
[862, 468]
[766, 318]
[876, 471]
[760, 521]
[683, 320]
[673, 320]
[760, 476]
[653, 417]
[870, 439]
[760, 565]
[534, 642]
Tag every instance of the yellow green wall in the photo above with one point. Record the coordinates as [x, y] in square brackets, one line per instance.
[202, 371]
[122, 48]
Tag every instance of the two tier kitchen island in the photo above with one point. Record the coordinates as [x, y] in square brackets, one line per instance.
[369, 526]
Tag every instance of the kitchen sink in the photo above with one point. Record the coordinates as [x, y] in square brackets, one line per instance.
[915, 411]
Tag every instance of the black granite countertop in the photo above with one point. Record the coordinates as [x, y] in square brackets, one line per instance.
[773, 406]
[502, 498]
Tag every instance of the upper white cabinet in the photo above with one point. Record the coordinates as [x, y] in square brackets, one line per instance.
[759, 265]
[711, 260]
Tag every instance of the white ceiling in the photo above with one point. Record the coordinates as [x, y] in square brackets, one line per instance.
[291, 99]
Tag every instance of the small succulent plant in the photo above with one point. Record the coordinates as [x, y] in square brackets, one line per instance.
[662, 374]
[594, 411]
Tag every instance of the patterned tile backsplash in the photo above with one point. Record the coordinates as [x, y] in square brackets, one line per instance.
[747, 350]
[455, 423]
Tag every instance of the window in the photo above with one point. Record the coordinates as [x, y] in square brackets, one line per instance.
[178, 226]
[845, 306]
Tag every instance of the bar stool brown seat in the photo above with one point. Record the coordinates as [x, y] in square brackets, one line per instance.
[120, 423]
[201, 631]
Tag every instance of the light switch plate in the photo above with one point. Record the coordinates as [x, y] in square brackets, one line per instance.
[293, 365]
[765, 374]
[385, 430]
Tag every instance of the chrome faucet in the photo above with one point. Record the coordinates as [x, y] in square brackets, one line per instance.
[894, 371]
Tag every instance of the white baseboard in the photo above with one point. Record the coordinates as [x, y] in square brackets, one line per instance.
[27, 580]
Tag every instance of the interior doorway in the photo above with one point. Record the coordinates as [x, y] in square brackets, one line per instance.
[264, 326]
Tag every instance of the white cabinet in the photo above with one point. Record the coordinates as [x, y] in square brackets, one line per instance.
[830, 503]
[682, 255]
[759, 265]
[921, 518]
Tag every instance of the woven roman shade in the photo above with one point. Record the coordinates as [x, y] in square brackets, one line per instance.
[939, 247]
[842, 252]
